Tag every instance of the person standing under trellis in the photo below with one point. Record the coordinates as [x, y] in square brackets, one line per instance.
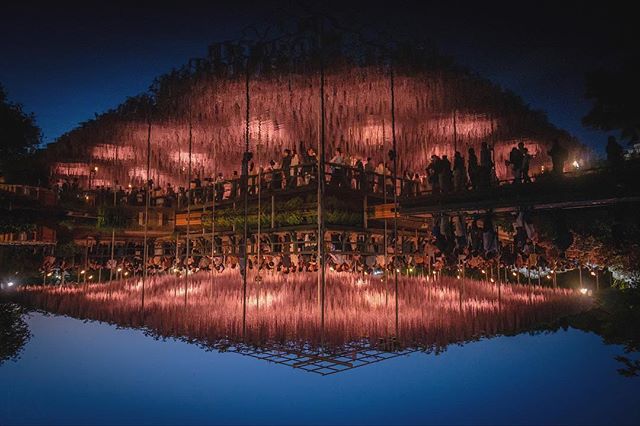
[459, 173]
[445, 175]
[369, 170]
[338, 175]
[286, 168]
[361, 178]
[219, 187]
[433, 172]
[526, 162]
[515, 163]
[312, 166]
[472, 168]
[558, 157]
[295, 165]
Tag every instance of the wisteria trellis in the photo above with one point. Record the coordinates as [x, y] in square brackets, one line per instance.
[438, 109]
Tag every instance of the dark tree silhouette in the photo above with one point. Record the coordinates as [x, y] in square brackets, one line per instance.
[19, 138]
[14, 332]
[616, 96]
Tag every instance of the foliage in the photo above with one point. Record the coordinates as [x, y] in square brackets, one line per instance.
[20, 262]
[293, 212]
[68, 250]
[615, 95]
[606, 237]
[19, 135]
[112, 217]
[14, 332]
[616, 317]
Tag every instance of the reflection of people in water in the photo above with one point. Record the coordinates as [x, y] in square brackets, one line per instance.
[14, 332]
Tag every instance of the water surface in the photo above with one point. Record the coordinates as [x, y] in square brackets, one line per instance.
[438, 352]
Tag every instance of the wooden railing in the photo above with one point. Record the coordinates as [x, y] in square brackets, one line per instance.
[45, 196]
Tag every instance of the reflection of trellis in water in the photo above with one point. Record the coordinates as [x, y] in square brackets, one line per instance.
[321, 361]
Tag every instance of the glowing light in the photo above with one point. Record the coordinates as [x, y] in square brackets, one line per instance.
[576, 164]
[119, 269]
[484, 272]
[82, 272]
[49, 274]
[10, 284]
[215, 103]
[584, 290]
[593, 273]
[514, 274]
[126, 273]
[288, 302]
[492, 280]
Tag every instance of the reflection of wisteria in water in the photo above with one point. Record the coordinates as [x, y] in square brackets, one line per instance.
[284, 309]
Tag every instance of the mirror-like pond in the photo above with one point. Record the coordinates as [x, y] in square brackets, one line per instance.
[425, 351]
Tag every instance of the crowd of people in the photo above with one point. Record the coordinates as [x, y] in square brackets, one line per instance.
[293, 170]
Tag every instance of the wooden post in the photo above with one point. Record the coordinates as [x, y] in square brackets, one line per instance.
[580, 275]
[364, 212]
[539, 277]
[273, 212]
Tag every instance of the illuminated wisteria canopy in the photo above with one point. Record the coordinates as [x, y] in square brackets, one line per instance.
[439, 107]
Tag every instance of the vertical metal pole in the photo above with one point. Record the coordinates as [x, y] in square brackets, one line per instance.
[384, 201]
[395, 192]
[455, 132]
[113, 229]
[213, 212]
[321, 184]
[86, 258]
[246, 197]
[145, 257]
[186, 261]
[258, 190]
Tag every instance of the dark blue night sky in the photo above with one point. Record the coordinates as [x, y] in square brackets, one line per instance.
[67, 62]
